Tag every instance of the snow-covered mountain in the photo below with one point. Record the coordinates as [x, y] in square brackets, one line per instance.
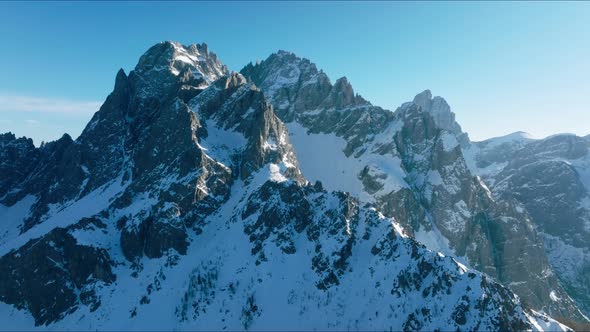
[186, 203]
[411, 165]
[550, 178]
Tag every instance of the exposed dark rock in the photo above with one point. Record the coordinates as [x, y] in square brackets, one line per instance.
[152, 238]
[45, 275]
[18, 156]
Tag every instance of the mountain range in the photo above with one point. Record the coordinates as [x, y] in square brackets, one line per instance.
[272, 198]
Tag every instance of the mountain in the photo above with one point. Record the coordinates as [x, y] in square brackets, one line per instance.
[411, 165]
[186, 203]
[550, 178]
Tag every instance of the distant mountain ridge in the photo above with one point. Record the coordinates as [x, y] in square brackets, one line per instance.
[550, 177]
[197, 198]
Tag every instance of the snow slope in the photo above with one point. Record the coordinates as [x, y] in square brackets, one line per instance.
[221, 285]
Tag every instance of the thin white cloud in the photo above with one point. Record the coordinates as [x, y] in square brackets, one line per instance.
[13, 103]
[32, 123]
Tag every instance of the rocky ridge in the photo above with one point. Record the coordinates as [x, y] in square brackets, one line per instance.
[411, 165]
[550, 179]
[185, 193]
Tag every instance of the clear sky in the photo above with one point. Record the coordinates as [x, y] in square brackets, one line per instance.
[502, 67]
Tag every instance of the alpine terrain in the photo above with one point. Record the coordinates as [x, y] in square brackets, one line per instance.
[274, 199]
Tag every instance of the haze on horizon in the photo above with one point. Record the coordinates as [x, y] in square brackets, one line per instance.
[503, 67]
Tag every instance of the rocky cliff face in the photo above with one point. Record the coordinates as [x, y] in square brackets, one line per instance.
[18, 156]
[549, 178]
[410, 164]
[51, 275]
[183, 205]
[143, 153]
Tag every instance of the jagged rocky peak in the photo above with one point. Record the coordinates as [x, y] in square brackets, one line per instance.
[424, 100]
[342, 96]
[440, 111]
[13, 147]
[292, 84]
[169, 66]
[288, 79]
[239, 128]
[176, 57]
[165, 71]
[438, 108]
[283, 70]
[235, 80]
[17, 157]
[9, 137]
[120, 80]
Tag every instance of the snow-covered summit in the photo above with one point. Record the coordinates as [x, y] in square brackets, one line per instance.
[176, 58]
[515, 137]
[183, 206]
[168, 65]
[295, 85]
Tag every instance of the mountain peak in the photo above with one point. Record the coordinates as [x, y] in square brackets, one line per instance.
[431, 104]
[283, 53]
[440, 110]
[9, 136]
[177, 58]
[167, 66]
[342, 80]
[521, 134]
[342, 95]
[120, 80]
[234, 79]
[423, 99]
[295, 86]
[517, 137]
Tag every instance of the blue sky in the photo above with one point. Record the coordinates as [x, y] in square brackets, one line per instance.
[502, 67]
